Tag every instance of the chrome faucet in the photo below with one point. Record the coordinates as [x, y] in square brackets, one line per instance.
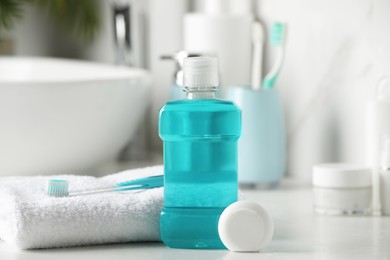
[122, 31]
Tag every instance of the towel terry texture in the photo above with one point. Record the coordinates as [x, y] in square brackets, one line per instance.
[31, 219]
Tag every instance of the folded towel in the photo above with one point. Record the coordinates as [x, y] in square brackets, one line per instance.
[31, 219]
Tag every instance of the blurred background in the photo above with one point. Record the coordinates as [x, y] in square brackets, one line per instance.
[335, 53]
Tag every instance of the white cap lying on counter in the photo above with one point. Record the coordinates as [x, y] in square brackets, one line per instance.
[245, 226]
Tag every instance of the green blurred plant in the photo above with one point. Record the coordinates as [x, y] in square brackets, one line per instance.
[78, 17]
[10, 10]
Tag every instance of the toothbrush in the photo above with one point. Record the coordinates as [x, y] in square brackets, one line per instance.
[277, 38]
[60, 188]
[257, 59]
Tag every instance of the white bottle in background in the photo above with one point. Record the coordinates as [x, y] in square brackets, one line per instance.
[220, 32]
[385, 176]
[378, 126]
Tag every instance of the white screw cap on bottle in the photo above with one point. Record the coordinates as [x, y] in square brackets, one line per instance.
[200, 72]
[245, 226]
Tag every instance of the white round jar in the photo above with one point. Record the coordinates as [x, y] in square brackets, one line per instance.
[342, 189]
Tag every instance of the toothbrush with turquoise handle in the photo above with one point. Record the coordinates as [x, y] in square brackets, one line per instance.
[277, 38]
[60, 188]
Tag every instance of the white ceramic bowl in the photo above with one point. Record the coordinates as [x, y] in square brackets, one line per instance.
[65, 116]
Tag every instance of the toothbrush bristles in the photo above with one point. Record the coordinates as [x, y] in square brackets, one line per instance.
[277, 33]
[58, 188]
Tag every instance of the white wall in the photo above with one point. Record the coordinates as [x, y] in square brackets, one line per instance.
[327, 75]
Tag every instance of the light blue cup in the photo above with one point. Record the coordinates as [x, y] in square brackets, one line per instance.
[261, 148]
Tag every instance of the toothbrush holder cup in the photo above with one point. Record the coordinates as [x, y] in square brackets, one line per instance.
[261, 148]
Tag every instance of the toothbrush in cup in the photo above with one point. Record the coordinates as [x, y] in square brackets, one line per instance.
[257, 59]
[277, 39]
[60, 188]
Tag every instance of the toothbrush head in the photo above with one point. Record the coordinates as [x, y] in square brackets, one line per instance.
[58, 188]
[277, 34]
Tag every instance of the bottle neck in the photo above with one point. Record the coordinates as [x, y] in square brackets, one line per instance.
[200, 93]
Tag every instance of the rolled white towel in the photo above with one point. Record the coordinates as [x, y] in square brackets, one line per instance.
[31, 219]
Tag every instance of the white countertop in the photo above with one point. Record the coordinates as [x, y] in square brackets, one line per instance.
[299, 234]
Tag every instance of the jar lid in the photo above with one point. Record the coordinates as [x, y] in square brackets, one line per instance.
[341, 175]
[245, 226]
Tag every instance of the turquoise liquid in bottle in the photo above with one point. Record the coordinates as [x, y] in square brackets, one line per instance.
[200, 137]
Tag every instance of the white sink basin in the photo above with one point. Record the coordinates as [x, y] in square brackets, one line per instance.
[61, 116]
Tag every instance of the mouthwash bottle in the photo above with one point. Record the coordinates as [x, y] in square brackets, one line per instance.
[200, 135]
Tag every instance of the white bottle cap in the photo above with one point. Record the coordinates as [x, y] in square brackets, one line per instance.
[200, 72]
[341, 175]
[216, 6]
[241, 7]
[245, 226]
